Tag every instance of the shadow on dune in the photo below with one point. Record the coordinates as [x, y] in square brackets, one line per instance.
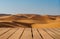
[15, 24]
[5, 26]
[24, 24]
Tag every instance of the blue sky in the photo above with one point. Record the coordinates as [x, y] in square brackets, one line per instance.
[30, 7]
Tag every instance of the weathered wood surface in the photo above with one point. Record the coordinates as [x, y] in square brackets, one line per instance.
[29, 33]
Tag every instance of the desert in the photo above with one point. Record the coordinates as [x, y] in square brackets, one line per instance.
[32, 20]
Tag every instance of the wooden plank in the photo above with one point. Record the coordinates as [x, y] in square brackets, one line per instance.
[53, 34]
[36, 35]
[17, 34]
[56, 30]
[58, 33]
[44, 34]
[9, 33]
[27, 34]
[4, 31]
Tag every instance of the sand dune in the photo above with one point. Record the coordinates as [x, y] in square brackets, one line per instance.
[32, 20]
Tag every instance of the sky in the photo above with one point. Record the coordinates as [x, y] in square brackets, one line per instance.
[44, 7]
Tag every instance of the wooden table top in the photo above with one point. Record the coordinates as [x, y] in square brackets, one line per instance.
[29, 33]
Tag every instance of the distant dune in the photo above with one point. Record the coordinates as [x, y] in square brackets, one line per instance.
[29, 20]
